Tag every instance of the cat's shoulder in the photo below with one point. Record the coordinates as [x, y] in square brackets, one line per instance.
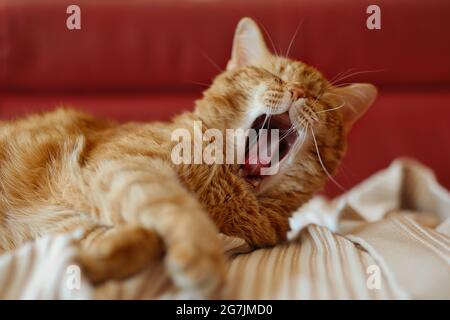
[61, 116]
[61, 122]
[58, 117]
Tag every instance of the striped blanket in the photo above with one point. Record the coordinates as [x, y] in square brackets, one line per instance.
[387, 238]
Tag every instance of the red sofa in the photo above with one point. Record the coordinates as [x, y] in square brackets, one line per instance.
[144, 60]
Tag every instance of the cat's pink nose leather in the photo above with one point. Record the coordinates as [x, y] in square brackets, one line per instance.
[296, 92]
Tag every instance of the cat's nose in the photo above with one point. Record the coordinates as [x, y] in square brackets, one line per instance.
[296, 91]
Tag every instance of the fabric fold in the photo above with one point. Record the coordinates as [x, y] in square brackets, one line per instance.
[387, 238]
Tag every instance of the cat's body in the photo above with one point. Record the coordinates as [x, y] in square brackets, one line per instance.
[65, 170]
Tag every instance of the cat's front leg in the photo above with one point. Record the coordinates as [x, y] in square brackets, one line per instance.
[146, 192]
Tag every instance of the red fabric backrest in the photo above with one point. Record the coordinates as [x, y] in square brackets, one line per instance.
[133, 45]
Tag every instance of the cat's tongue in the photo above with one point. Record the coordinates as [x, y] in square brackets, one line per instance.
[253, 161]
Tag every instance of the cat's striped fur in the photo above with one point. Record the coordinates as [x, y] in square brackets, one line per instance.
[66, 170]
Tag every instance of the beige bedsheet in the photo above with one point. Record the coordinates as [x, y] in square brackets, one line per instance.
[388, 238]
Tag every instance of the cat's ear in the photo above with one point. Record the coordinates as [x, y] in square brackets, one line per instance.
[356, 100]
[248, 45]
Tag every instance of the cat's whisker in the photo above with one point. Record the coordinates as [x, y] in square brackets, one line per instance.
[357, 73]
[341, 98]
[201, 84]
[290, 131]
[340, 74]
[360, 94]
[340, 85]
[212, 62]
[270, 116]
[270, 39]
[313, 113]
[342, 105]
[321, 162]
[293, 38]
[298, 144]
[331, 94]
[265, 120]
[345, 75]
[255, 138]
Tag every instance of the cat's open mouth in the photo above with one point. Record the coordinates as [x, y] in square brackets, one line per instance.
[260, 152]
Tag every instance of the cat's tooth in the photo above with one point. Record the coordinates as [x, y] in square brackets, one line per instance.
[241, 172]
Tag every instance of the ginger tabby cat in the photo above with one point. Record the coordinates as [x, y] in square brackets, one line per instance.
[64, 170]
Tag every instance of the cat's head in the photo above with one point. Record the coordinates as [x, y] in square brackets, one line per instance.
[262, 90]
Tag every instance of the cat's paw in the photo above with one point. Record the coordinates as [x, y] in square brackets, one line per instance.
[195, 261]
[119, 253]
[197, 270]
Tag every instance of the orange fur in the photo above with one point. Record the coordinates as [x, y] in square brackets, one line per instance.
[65, 169]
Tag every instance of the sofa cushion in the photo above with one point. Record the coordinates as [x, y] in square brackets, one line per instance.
[146, 45]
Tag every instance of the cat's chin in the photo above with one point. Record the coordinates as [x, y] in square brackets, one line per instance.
[255, 169]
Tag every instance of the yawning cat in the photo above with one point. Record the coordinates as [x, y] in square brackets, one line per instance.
[66, 170]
